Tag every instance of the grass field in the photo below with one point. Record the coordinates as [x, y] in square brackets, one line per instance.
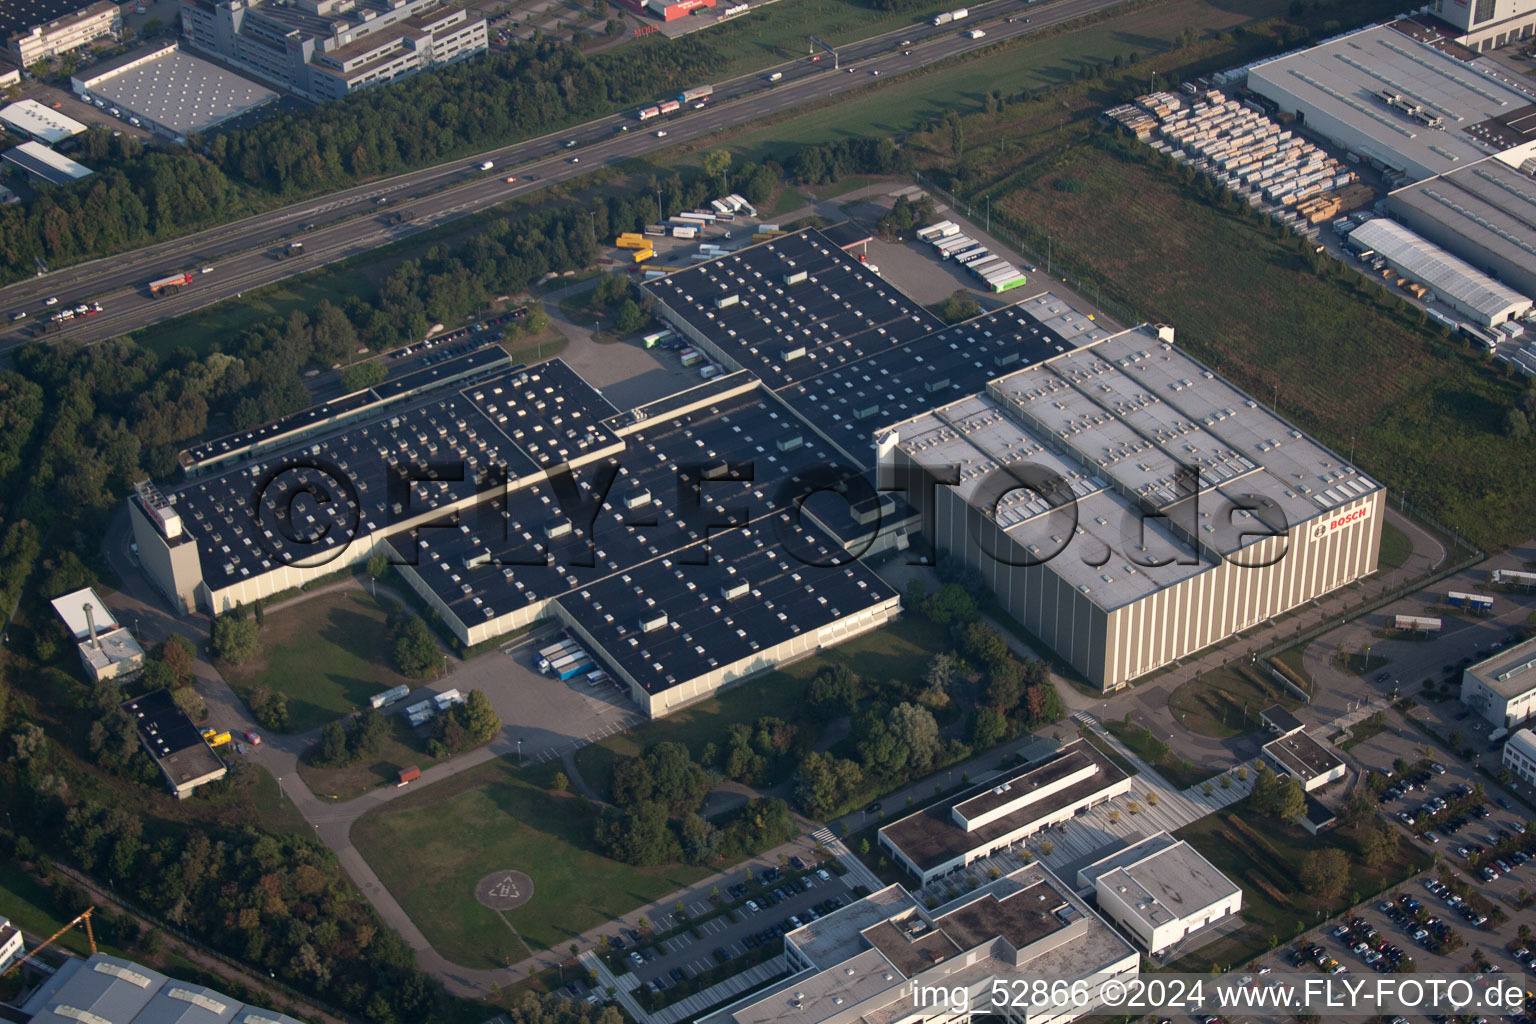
[1247, 303]
[326, 654]
[1140, 741]
[1276, 860]
[1395, 547]
[910, 103]
[1226, 701]
[899, 652]
[401, 749]
[431, 847]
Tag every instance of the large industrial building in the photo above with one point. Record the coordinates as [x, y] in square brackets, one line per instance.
[1474, 295]
[34, 30]
[171, 91]
[1406, 105]
[1201, 513]
[666, 538]
[1484, 213]
[1123, 502]
[1486, 24]
[886, 958]
[945, 837]
[1502, 688]
[43, 164]
[325, 49]
[109, 990]
[1161, 891]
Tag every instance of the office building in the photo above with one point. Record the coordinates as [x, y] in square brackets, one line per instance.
[1161, 891]
[1502, 688]
[34, 30]
[1486, 24]
[887, 959]
[325, 49]
[1520, 756]
[946, 836]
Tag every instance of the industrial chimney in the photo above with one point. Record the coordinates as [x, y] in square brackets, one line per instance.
[90, 625]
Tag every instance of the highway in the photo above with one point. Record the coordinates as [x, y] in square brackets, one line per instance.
[242, 254]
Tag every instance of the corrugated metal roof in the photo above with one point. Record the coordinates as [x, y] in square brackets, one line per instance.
[1449, 277]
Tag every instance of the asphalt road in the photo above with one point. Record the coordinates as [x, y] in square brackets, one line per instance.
[343, 224]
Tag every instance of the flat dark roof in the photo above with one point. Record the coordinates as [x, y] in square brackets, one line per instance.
[644, 552]
[838, 313]
[847, 234]
[1020, 918]
[171, 738]
[912, 953]
[931, 837]
[1280, 719]
[1318, 813]
[512, 423]
[1303, 755]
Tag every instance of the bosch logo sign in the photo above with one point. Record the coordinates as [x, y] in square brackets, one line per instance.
[1341, 521]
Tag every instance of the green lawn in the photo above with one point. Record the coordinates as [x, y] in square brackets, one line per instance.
[1395, 547]
[432, 847]
[327, 654]
[1156, 753]
[1274, 863]
[401, 749]
[31, 908]
[898, 652]
[894, 108]
[274, 810]
[1227, 701]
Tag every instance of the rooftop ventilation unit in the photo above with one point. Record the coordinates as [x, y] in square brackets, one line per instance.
[637, 500]
[731, 591]
[789, 444]
[655, 622]
[727, 300]
[558, 528]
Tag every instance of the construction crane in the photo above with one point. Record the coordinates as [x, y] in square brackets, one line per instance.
[85, 917]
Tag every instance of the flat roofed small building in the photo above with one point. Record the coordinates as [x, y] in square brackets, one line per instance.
[946, 836]
[45, 165]
[1161, 890]
[1502, 688]
[1305, 759]
[43, 124]
[112, 655]
[1401, 102]
[178, 748]
[1455, 282]
[1520, 756]
[82, 609]
[865, 963]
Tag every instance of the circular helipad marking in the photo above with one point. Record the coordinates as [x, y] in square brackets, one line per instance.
[504, 890]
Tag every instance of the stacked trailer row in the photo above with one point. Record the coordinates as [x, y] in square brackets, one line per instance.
[1476, 602]
[934, 232]
[741, 204]
[1511, 578]
[1417, 623]
[447, 699]
[959, 243]
[970, 256]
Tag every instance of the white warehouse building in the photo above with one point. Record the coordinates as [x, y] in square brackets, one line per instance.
[1161, 890]
[1386, 96]
[1455, 282]
[1502, 689]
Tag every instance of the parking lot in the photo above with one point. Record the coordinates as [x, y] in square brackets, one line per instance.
[780, 901]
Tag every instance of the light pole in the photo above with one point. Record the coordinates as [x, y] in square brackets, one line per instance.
[659, 215]
[519, 751]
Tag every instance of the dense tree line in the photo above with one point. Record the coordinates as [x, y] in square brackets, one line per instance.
[140, 195]
[278, 902]
[829, 161]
